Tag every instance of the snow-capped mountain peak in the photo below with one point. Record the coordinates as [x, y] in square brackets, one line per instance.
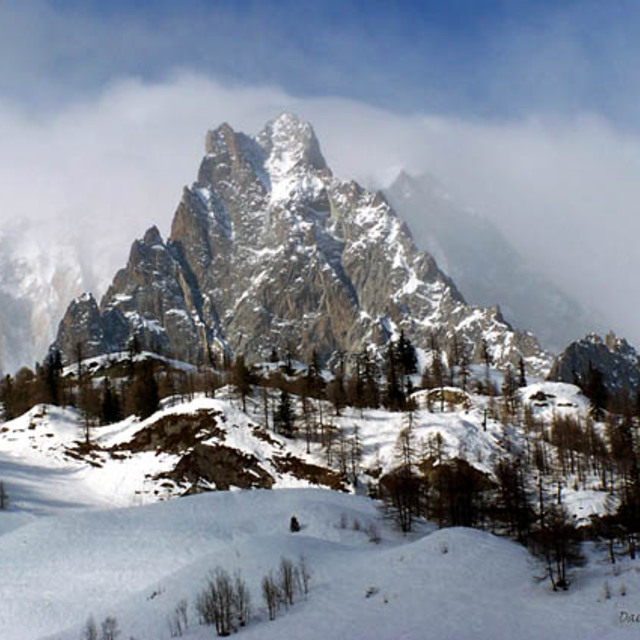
[269, 250]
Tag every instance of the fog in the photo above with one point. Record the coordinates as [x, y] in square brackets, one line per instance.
[537, 132]
[564, 192]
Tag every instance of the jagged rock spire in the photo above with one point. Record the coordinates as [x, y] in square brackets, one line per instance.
[268, 249]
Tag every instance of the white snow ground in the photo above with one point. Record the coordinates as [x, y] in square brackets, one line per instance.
[137, 563]
[66, 553]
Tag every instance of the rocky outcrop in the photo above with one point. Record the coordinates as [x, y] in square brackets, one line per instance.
[221, 467]
[268, 249]
[613, 357]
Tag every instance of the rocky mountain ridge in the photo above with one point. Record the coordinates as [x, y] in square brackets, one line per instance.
[613, 358]
[269, 250]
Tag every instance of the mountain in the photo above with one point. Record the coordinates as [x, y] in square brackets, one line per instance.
[269, 250]
[485, 267]
[613, 358]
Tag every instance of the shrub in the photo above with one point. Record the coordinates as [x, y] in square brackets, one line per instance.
[224, 603]
[271, 595]
[109, 628]
[372, 532]
[178, 621]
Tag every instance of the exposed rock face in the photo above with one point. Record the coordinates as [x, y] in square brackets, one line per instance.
[222, 468]
[268, 249]
[485, 267]
[613, 357]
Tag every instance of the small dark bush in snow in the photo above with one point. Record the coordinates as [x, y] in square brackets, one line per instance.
[4, 497]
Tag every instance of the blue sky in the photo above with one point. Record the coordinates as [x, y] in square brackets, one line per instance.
[484, 58]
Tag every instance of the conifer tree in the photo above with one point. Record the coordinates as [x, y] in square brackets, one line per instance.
[336, 392]
[370, 375]
[111, 409]
[8, 398]
[146, 398]
[522, 374]
[406, 354]
[284, 416]
[52, 372]
[596, 391]
[394, 397]
[242, 379]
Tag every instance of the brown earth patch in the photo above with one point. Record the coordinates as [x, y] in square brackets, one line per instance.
[222, 467]
[176, 433]
[310, 472]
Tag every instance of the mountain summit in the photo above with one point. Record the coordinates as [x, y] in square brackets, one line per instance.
[269, 250]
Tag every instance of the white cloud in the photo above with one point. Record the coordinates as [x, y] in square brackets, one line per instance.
[106, 168]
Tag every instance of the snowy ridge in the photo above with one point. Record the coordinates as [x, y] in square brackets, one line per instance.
[125, 467]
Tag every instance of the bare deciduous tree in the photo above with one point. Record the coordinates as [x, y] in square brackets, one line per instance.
[304, 574]
[287, 579]
[241, 600]
[178, 621]
[109, 628]
[271, 595]
[90, 630]
[224, 602]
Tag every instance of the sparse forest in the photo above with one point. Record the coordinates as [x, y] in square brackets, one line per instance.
[521, 495]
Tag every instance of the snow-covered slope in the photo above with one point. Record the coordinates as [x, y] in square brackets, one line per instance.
[137, 564]
[211, 444]
[133, 462]
[68, 554]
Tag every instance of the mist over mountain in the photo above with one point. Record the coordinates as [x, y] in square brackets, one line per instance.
[40, 272]
[487, 269]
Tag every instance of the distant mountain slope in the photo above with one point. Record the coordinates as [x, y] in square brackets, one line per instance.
[485, 267]
[267, 250]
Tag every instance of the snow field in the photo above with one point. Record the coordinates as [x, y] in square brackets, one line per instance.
[137, 563]
[67, 553]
